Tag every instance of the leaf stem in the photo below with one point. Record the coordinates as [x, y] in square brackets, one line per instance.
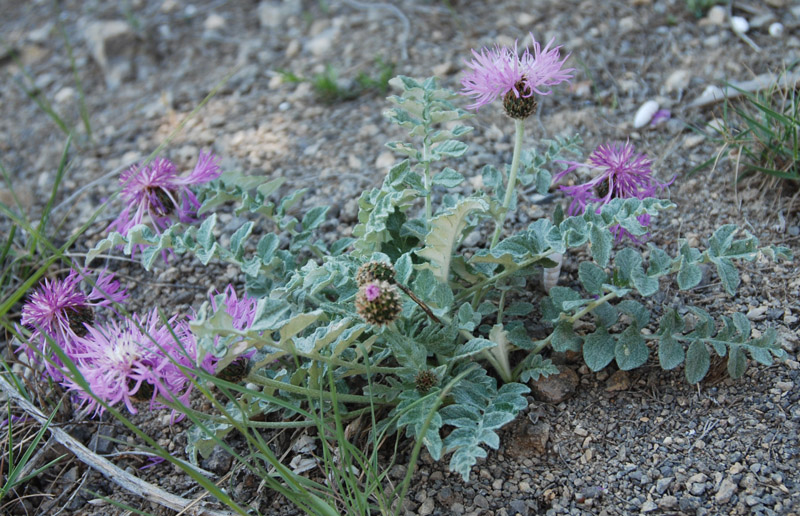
[276, 384]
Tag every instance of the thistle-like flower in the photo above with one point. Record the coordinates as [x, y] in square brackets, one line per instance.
[136, 360]
[60, 311]
[425, 381]
[378, 303]
[243, 312]
[158, 191]
[375, 271]
[621, 173]
[503, 72]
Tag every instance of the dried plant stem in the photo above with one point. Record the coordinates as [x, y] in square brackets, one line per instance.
[117, 475]
[420, 302]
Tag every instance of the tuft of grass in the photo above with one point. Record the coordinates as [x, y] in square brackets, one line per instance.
[699, 7]
[330, 88]
[763, 131]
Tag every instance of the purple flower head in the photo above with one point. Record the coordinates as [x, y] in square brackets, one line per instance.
[60, 310]
[620, 173]
[122, 363]
[159, 192]
[243, 310]
[496, 72]
[372, 291]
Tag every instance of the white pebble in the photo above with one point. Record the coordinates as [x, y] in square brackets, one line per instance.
[740, 25]
[776, 30]
[645, 114]
[716, 15]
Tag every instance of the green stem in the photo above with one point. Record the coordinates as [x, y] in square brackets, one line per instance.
[273, 424]
[571, 320]
[512, 179]
[275, 384]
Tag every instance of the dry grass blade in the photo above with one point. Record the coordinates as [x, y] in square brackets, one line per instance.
[117, 475]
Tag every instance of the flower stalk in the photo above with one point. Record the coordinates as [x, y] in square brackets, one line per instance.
[512, 179]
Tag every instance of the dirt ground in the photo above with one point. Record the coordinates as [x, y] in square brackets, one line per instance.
[623, 444]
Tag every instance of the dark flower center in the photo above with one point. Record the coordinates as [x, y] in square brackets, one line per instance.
[77, 316]
[520, 107]
[163, 204]
[145, 392]
[602, 189]
[235, 371]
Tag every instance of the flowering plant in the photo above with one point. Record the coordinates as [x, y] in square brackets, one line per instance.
[404, 314]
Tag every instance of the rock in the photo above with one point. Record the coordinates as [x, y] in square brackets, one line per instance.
[556, 387]
[518, 507]
[273, 14]
[677, 81]
[662, 484]
[668, 502]
[619, 381]
[776, 30]
[727, 488]
[649, 506]
[529, 439]
[645, 113]
[64, 95]
[740, 24]
[426, 507]
[716, 15]
[219, 461]
[322, 43]
[112, 44]
[214, 22]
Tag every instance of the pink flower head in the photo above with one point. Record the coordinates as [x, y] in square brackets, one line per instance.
[136, 360]
[243, 310]
[621, 173]
[372, 291]
[159, 192]
[494, 73]
[60, 310]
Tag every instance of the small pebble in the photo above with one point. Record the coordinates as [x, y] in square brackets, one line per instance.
[716, 15]
[740, 24]
[645, 114]
[776, 30]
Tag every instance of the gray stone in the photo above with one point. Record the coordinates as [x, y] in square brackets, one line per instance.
[698, 488]
[689, 503]
[519, 507]
[649, 506]
[726, 490]
[662, 484]
[113, 45]
[481, 501]
[668, 502]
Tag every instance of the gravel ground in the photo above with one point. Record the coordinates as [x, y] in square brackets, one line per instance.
[621, 443]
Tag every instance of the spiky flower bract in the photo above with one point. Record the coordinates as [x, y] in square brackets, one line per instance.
[157, 191]
[425, 381]
[503, 72]
[59, 311]
[375, 271]
[378, 303]
[138, 359]
[620, 172]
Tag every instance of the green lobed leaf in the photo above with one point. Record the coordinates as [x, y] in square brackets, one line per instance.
[602, 241]
[698, 361]
[599, 349]
[535, 367]
[631, 350]
[445, 234]
[564, 338]
[448, 178]
[592, 277]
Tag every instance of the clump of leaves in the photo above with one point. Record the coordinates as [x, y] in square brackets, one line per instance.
[762, 130]
[330, 87]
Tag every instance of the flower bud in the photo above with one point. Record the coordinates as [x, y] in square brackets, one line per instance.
[378, 303]
[519, 106]
[425, 381]
[375, 271]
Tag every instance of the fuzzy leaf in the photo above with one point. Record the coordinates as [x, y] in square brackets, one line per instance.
[602, 241]
[727, 274]
[599, 349]
[737, 362]
[631, 350]
[445, 234]
[698, 361]
[592, 277]
[537, 367]
[670, 353]
[448, 178]
[564, 338]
